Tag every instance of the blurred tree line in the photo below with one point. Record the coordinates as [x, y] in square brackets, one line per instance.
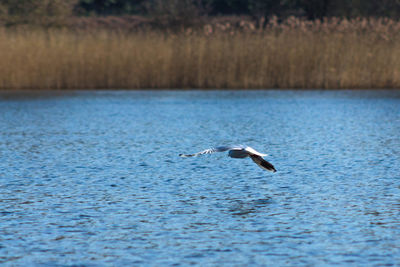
[36, 11]
[309, 8]
[56, 10]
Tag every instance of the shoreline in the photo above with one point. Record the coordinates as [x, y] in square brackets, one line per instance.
[61, 91]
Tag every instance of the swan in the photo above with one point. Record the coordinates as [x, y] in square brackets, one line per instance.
[238, 152]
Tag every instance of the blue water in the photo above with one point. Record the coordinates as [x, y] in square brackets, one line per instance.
[94, 178]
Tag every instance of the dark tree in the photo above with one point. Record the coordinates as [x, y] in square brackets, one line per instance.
[315, 9]
[312, 9]
[109, 7]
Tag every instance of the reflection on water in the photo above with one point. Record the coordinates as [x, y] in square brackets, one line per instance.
[93, 178]
[240, 207]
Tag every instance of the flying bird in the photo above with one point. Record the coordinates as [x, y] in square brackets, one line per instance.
[238, 152]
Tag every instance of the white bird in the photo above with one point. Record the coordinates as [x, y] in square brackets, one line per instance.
[238, 152]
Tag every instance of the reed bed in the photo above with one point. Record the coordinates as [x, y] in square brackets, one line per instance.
[293, 54]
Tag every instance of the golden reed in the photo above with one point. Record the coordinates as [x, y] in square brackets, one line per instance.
[293, 54]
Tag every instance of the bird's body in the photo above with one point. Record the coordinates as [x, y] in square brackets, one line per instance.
[238, 152]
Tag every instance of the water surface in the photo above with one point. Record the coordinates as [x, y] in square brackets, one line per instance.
[94, 178]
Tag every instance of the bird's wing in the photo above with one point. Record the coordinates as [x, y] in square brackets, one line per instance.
[263, 163]
[252, 151]
[209, 151]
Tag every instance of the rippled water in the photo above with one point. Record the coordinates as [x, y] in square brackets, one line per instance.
[94, 178]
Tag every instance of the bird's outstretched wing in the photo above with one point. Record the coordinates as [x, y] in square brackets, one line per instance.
[252, 151]
[263, 163]
[209, 151]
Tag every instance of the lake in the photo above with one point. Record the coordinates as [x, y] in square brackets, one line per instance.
[93, 178]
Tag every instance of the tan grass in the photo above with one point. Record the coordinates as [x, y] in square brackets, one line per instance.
[294, 54]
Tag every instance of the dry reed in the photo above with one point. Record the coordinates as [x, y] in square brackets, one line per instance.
[293, 54]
